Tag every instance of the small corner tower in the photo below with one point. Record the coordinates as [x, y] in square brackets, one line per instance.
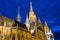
[46, 29]
[39, 24]
[27, 23]
[18, 17]
[48, 33]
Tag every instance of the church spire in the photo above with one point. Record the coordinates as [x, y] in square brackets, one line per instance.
[18, 17]
[32, 16]
[39, 20]
[46, 28]
[40, 24]
[27, 19]
[27, 23]
[31, 9]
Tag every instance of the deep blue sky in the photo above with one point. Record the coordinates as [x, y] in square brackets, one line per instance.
[48, 10]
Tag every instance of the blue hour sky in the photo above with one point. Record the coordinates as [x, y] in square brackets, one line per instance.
[46, 10]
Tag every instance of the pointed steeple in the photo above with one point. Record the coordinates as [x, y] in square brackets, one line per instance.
[31, 9]
[46, 28]
[45, 24]
[27, 19]
[40, 24]
[32, 16]
[48, 33]
[39, 20]
[27, 23]
[18, 17]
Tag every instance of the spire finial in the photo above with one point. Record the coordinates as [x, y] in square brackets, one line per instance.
[31, 9]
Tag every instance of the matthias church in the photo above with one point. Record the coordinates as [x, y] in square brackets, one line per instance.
[32, 29]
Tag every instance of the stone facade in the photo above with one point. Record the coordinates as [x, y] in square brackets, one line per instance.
[32, 29]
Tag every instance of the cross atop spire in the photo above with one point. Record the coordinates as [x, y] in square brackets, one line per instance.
[31, 9]
[27, 19]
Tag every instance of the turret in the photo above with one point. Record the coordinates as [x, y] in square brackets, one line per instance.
[27, 23]
[40, 24]
[46, 29]
[18, 17]
[48, 33]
